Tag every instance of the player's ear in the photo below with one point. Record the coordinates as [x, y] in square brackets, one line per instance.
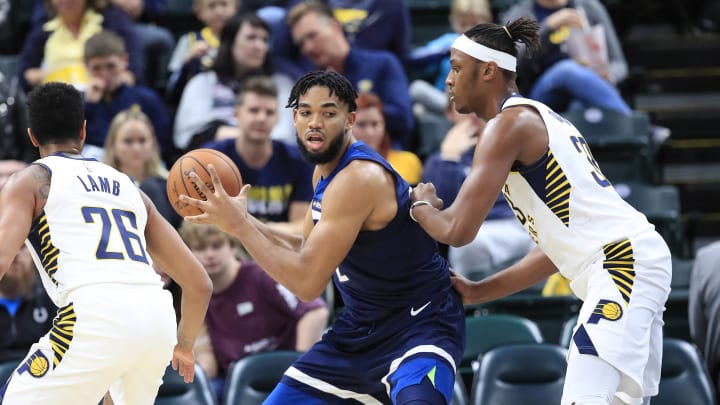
[82, 131]
[350, 120]
[490, 69]
[32, 138]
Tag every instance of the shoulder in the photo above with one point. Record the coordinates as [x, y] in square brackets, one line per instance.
[288, 151]
[364, 56]
[363, 175]
[223, 145]
[514, 123]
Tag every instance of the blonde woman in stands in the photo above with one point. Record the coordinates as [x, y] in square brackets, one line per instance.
[131, 147]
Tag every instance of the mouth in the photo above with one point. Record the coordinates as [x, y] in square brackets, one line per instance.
[314, 140]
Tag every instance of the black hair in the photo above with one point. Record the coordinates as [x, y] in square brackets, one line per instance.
[224, 65]
[504, 37]
[55, 112]
[337, 83]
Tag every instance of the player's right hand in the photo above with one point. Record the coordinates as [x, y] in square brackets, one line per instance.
[184, 362]
[467, 289]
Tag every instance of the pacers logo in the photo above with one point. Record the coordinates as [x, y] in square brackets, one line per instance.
[37, 365]
[606, 309]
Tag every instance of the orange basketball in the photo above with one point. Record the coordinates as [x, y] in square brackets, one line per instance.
[197, 160]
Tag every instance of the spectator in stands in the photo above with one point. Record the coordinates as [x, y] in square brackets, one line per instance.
[382, 25]
[369, 127]
[321, 40]
[433, 59]
[372, 24]
[501, 239]
[156, 42]
[54, 50]
[195, 51]
[26, 311]
[107, 95]
[281, 179]
[704, 307]
[14, 141]
[131, 147]
[208, 101]
[551, 76]
[249, 312]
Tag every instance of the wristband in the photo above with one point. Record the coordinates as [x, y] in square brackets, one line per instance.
[418, 203]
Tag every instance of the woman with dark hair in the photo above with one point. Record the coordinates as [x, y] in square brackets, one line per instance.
[54, 50]
[208, 102]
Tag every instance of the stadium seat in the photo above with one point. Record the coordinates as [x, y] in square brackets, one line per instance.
[6, 369]
[251, 379]
[175, 391]
[684, 379]
[484, 333]
[520, 374]
[460, 394]
[621, 144]
[9, 65]
[661, 206]
[567, 331]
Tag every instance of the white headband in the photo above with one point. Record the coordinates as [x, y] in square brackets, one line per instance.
[483, 53]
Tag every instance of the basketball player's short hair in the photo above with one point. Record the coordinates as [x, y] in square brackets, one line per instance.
[55, 112]
[338, 84]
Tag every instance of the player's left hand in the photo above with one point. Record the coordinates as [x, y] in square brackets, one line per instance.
[184, 362]
[426, 192]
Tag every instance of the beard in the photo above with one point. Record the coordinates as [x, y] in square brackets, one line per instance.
[318, 158]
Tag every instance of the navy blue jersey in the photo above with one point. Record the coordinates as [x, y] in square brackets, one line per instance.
[402, 324]
[284, 179]
[388, 269]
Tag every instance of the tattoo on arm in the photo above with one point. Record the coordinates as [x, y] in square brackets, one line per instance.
[42, 180]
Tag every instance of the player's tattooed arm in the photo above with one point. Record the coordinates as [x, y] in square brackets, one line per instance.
[41, 179]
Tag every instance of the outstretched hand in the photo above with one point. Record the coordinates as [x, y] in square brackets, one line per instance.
[184, 362]
[426, 192]
[226, 212]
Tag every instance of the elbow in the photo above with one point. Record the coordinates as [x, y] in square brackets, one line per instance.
[205, 288]
[309, 292]
[460, 237]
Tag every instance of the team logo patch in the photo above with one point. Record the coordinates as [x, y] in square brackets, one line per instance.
[37, 365]
[606, 309]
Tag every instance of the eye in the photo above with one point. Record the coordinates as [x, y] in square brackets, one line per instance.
[330, 114]
[303, 113]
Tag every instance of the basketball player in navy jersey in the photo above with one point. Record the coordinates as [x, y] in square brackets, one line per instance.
[93, 236]
[402, 333]
[617, 263]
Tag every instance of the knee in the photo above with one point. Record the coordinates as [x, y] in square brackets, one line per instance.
[566, 67]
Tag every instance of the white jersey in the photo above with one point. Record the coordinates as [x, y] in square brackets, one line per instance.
[565, 202]
[92, 229]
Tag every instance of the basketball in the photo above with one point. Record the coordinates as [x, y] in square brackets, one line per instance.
[197, 160]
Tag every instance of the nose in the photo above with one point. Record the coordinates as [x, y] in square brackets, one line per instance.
[315, 121]
[450, 80]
